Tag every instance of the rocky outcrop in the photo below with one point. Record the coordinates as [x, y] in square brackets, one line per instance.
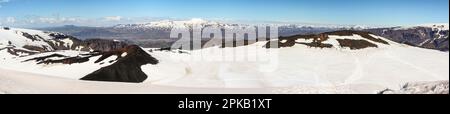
[355, 44]
[103, 45]
[19, 52]
[31, 37]
[126, 69]
[318, 39]
[35, 48]
[363, 34]
[436, 87]
[6, 28]
[39, 59]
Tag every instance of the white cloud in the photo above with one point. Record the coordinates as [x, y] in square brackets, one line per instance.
[113, 18]
[51, 20]
[10, 20]
[3, 1]
[36, 21]
[47, 20]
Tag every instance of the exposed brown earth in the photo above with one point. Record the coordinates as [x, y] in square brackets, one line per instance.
[355, 44]
[319, 38]
[291, 40]
[361, 33]
[318, 45]
[237, 43]
[34, 48]
[16, 52]
[70, 60]
[39, 59]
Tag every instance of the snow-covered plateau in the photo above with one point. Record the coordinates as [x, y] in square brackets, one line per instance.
[334, 65]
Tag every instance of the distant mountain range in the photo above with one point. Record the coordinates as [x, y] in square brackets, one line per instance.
[156, 34]
[432, 36]
[161, 29]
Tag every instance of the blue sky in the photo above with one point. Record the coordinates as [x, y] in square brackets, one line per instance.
[104, 12]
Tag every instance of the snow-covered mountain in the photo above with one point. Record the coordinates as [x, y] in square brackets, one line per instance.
[285, 29]
[168, 24]
[26, 42]
[155, 34]
[437, 26]
[331, 62]
[56, 48]
[430, 36]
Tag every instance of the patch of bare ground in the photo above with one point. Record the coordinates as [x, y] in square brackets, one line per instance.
[292, 41]
[363, 34]
[237, 43]
[16, 52]
[318, 45]
[317, 40]
[126, 67]
[34, 48]
[355, 44]
[39, 59]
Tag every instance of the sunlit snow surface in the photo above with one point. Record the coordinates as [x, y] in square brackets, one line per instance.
[309, 70]
[300, 69]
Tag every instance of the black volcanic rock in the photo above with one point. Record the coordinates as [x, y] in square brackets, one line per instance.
[104, 45]
[355, 44]
[31, 37]
[38, 59]
[16, 52]
[126, 69]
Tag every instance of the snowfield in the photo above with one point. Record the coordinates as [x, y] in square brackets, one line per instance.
[299, 69]
[74, 71]
[15, 82]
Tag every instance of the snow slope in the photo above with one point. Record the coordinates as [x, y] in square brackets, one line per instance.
[301, 66]
[299, 69]
[16, 37]
[15, 82]
[73, 71]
